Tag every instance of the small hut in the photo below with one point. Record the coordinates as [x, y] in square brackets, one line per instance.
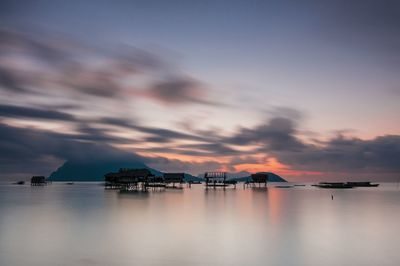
[217, 179]
[132, 179]
[38, 180]
[258, 178]
[174, 178]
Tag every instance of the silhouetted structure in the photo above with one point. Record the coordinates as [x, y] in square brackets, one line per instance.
[129, 179]
[362, 184]
[338, 185]
[174, 178]
[155, 182]
[257, 178]
[218, 179]
[38, 181]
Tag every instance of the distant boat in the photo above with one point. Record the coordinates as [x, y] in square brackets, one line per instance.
[69, 183]
[19, 183]
[339, 185]
[362, 184]
[284, 186]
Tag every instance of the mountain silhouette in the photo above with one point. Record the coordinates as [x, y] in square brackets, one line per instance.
[83, 170]
[271, 177]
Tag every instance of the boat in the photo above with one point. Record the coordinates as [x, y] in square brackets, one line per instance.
[362, 184]
[69, 183]
[19, 183]
[336, 185]
[283, 186]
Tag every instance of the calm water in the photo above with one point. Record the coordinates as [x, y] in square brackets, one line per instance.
[85, 225]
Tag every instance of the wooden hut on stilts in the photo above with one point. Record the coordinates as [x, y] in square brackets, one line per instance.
[38, 180]
[260, 179]
[128, 180]
[218, 179]
[175, 179]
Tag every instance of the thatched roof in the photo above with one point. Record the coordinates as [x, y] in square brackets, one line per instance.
[128, 175]
[38, 179]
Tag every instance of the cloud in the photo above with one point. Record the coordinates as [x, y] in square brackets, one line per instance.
[352, 155]
[173, 165]
[276, 134]
[28, 150]
[33, 151]
[30, 64]
[278, 138]
[31, 112]
[155, 133]
[179, 90]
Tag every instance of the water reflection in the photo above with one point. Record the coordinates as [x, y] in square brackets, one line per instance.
[87, 225]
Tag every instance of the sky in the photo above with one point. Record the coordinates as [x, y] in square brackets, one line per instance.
[305, 89]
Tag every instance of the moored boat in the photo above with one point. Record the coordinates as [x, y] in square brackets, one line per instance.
[338, 185]
[362, 184]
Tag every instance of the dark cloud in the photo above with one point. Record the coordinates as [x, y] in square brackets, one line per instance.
[31, 112]
[178, 91]
[27, 150]
[173, 165]
[352, 155]
[53, 62]
[156, 134]
[277, 134]
[213, 149]
[10, 81]
[278, 138]
[33, 151]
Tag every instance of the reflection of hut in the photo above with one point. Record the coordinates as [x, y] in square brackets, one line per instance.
[217, 179]
[174, 178]
[258, 178]
[38, 181]
[131, 179]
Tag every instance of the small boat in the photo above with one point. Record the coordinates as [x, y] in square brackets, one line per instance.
[336, 185]
[362, 184]
[284, 186]
[69, 183]
[19, 183]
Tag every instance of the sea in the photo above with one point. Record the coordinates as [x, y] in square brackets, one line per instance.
[84, 224]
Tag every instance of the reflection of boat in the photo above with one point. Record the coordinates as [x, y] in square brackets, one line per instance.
[362, 184]
[333, 185]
